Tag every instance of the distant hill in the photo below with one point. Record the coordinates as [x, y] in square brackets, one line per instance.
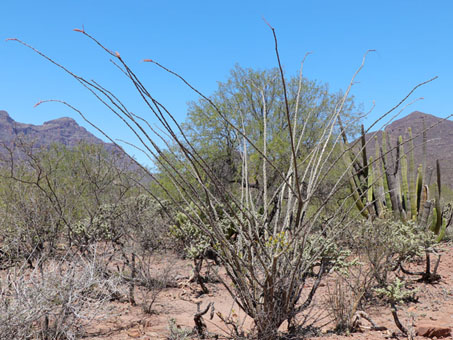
[62, 130]
[439, 146]
[439, 141]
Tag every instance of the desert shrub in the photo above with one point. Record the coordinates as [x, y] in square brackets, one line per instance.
[152, 281]
[177, 332]
[195, 243]
[394, 293]
[27, 224]
[137, 220]
[86, 202]
[386, 244]
[146, 221]
[141, 228]
[379, 248]
[342, 304]
[57, 197]
[55, 302]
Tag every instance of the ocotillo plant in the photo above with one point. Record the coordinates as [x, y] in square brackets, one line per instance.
[390, 185]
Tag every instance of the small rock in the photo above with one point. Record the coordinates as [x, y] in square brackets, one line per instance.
[152, 335]
[103, 329]
[181, 277]
[134, 333]
[431, 331]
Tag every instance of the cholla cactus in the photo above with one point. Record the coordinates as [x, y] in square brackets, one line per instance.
[196, 242]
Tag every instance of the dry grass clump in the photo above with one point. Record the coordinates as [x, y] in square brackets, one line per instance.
[53, 301]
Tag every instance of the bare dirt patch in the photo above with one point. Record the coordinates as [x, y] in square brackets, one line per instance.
[434, 308]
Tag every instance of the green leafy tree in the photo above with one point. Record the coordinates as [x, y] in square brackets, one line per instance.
[254, 101]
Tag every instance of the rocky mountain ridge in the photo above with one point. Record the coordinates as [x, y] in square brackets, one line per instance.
[62, 130]
[439, 135]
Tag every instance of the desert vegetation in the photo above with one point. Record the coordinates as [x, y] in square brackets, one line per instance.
[268, 180]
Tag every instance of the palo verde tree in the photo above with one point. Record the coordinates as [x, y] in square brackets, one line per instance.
[254, 101]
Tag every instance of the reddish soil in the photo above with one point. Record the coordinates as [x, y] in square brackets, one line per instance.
[434, 307]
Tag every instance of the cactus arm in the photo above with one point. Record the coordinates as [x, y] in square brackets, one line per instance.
[443, 229]
[372, 204]
[352, 183]
[410, 177]
[432, 227]
[405, 189]
[379, 182]
[437, 221]
[404, 181]
[447, 217]
[425, 142]
[439, 182]
[388, 201]
[397, 158]
[425, 213]
[397, 179]
[392, 179]
[429, 173]
[364, 156]
[370, 183]
[391, 187]
[358, 199]
[419, 186]
[437, 227]
[424, 195]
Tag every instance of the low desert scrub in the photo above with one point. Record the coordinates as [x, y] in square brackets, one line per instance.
[379, 249]
[343, 301]
[234, 324]
[60, 197]
[176, 332]
[54, 302]
[152, 281]
[385, 245]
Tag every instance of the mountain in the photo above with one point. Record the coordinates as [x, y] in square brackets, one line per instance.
[439, 146]
[439, 133]
[62, 130]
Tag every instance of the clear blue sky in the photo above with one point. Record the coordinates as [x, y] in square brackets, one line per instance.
[203, 40]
